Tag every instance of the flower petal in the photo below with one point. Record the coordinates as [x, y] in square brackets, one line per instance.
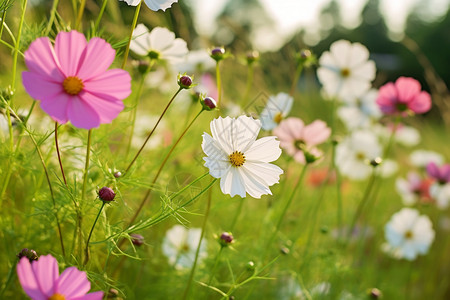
[28, 280]
[91, 296]
[316, 133]
[176, 51]
[69, 48]
[56, 107]
[40, 58]
[159, 4]
[161, 39]
[97, 58]
[140, 42]
[38, 87]
[73, 283]
[265, 149]
[106, 108]
[81, 114]
[421, 103]
[265, 173]
[232, 183]
[46, 273]
[407, 89]
[115, 83]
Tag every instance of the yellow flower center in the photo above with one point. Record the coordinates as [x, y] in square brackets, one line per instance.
[237, 158]
[360, 156]
[73, 85]
[345, 72]
[409, 235]
[278, 117]
[57, 297]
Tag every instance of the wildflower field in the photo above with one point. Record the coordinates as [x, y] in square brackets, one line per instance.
[142, 159]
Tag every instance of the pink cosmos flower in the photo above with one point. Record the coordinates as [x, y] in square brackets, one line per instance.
[72, 80]
[403, 97]
[296, 138]
[441, 174]
[41, 281]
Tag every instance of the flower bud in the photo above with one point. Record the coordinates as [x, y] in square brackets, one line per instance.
[284, 250]
[375, 293]
[376, 161]
[118, 174]
[305, 58]
[226, 238]
[218, 54]
[28, 253]
[184, 81]
[106, 194]
[250, 266]
[137, 239]
[209, 103]
[252, 56]
[113, 294]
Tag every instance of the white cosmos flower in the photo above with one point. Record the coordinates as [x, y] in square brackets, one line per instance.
[404, 135]
[180, 245]
[361, 112]
[355, 152]
[421, 158]
[240, 161]
[408, 234]
[277, 108]
[153, 4]
[196, 61]
[346, 71]
[160, 43]
[441, 194]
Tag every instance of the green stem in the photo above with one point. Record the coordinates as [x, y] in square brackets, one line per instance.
[160, 169]
[52, 17]
[59, 155]
[237, 214]
[191, 276]
[151, 132]
[80, 15]
[136, 102]
[86, 165]
[216, 262]
[17, 46]
[298, 72]
[100, 15]
[86, 251]
[219, 87]
[3, 22]
[133, 25]
[250, 71]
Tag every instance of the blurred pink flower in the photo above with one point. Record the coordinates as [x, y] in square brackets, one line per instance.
[41, 281]
[403, 97]
[295, 137]
[441, 174]
[72, 80]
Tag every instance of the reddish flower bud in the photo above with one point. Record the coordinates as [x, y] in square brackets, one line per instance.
[185, 81]
[137, 239]
[226, 238]
[218, 53]
[28, 253]
[106, 194]
[209, 103]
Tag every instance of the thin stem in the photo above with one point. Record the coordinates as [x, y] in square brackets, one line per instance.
[80, 14]
[59, 155]
[191, 276]
[133, 25]
[17, 45]
[298, 72]
[151, 132]
[237, 214]
[250, 71]
[216, 262]
[52, 17]
[136, 102]
[3, 22]
[219, 86]
[160, 169]
[86, 165]
[100, 15]
[86, 251]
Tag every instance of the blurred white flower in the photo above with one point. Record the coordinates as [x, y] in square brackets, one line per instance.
[240, 161]
[408, 234]
[346, 71]
[421, 158]
[362, 112]
[195, 61]
[277, 108]
[154, 5]
[354, 153]
[291, 290]
[387, 168]
[441, 194]
[160, 43]
[404, 135]
[180, 245]
[144, 124]
[413, 189]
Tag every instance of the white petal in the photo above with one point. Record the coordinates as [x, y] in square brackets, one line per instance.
[232, 183]
[161, 38]
[176, 51]
[140, 41]
[265, 149]
[159, 4]
[266, 173]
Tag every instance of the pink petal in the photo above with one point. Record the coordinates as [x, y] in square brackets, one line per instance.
[69, 47]
[115, 83]
[300, 157]
[387, 98]
[73, 283]
[56, 107]
[316, 133]
[107, 108]
[433, 170]
[46, 273]
[290, 127]
[40, 58]
[39, 87]
[421, 103]
[91, 296]
[407, 89]
[28, 280]
[81, 114]
[97, 58]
